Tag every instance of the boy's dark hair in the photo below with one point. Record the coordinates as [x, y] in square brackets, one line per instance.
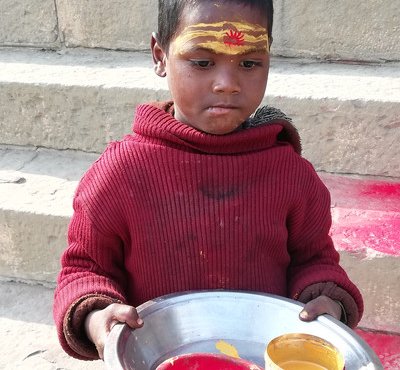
[170, 11]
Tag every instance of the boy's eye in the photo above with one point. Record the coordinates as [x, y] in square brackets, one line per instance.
[202, 63]
[249, 64]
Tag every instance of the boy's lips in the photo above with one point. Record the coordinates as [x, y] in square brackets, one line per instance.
[221, 108]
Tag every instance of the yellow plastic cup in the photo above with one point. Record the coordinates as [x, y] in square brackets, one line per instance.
[299, 351]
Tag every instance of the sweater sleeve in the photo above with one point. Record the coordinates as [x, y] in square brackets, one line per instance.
[314, 258]
[91, 277]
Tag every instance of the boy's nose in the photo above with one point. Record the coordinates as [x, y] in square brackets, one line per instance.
[226, 82]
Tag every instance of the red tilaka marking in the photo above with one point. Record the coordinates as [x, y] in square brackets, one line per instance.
[234, 38]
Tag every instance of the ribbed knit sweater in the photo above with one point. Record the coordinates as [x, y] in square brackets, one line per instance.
[170, 209]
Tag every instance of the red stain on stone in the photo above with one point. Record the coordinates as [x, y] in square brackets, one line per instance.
[365, 214]
[386, 346]
[367, 194]
[382, 189]
[357, 232]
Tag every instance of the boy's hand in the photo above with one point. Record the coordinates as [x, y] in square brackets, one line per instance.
[99, 323]
[319, 306]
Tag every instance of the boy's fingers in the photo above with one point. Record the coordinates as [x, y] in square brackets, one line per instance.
[319, 306]
[307, 315]
[99, 323]
[125, 314]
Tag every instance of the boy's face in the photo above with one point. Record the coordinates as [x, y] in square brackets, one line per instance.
[217, 65]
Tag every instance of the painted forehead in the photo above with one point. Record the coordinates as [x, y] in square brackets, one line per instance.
[224, 37]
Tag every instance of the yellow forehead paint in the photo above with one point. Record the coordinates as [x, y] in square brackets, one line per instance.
[231, 38]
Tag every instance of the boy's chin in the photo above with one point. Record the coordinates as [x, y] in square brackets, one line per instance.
[221, 130]
[214, 125]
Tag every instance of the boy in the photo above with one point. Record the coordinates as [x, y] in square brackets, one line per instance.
[203, 194]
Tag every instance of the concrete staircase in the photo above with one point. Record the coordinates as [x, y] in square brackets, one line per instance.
[72, 72]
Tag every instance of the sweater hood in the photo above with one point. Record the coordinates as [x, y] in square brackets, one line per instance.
[267, 127]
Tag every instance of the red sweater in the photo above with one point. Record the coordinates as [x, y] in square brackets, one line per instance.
[170, 209]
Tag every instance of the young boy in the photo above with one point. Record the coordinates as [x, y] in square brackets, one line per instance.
[202, 194]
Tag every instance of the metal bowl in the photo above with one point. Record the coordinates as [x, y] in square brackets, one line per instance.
[196, 322]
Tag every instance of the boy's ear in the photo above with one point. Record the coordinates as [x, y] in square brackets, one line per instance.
[159, 57]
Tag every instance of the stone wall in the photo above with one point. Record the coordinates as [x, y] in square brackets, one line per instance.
[321, 29]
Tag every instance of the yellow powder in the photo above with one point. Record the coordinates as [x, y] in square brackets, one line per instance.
[227, 349]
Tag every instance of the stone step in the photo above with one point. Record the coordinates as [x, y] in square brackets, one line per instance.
[26, 319]
[37, 187]
[348, 115]
[28, 335]
[343, 30]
